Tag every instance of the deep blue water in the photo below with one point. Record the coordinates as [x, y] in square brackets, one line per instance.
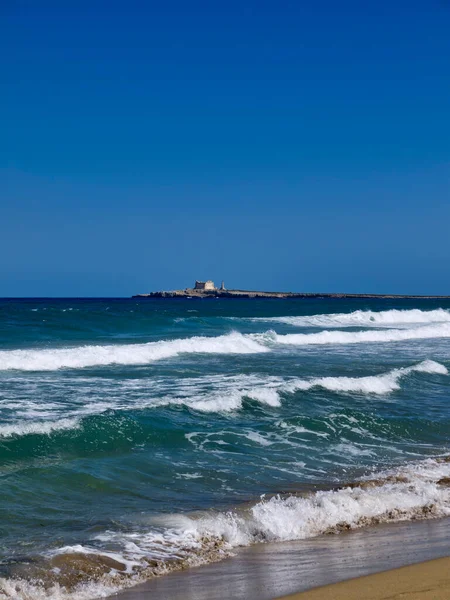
[122, 421]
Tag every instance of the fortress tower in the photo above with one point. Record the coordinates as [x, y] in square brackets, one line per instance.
[205, 285]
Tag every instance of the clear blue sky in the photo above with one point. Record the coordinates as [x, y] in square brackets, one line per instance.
[279, 145]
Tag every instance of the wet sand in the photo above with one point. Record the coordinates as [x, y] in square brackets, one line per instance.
[268, 571]
[425, 581]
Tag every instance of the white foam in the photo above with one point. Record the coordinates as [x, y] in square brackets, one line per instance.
[51, 359]
[406, 493]
[127, 354]
[258, 438]
[373, 384]
[366, 318]
[42, 427]
[217, 403]
[210, 394]
[232, 391]
[356, 337]
[267, 391]
[266, 395]
[178, 541]
[231, 401]
[19, 589]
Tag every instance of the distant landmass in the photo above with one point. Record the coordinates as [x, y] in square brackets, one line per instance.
[207, 289]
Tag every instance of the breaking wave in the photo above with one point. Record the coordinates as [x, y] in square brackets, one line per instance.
[113, 560]
[356, 337]
[399, 494]
[365, 318]
[374, 384]
[233, 343]
[126, 354]
[219, 394]
[37, 428]
[269, 391]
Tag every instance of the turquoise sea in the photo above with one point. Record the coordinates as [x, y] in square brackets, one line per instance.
[142, 436]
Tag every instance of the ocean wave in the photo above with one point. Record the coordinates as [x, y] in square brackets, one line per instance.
[113, 560]
[52, 359]
[373, 384]
[419, 490]
[126, 354]
[37, 428]
[355, 337]
[214, 394]
[365, 318]
[269, 391]
[229, 402]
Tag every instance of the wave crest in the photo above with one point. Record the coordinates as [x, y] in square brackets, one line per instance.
[37, 428]
[358, 337]
[373, 384]
[127, 354]
[365, 318]
[216, 395]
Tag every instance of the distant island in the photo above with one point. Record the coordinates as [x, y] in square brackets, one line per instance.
[207, 289]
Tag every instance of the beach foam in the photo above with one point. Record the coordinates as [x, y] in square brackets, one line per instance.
[171, 542]
[400, 494]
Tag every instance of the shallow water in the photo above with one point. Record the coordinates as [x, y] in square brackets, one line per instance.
[267, 571]
[137, 436]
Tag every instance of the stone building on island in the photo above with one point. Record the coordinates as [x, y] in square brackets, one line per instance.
[205, 286]
[208, 286]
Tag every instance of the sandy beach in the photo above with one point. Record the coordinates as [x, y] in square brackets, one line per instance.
[424, 581]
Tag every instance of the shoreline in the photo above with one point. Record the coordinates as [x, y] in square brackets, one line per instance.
[296, 570]
[428, 580]
[248, 294]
